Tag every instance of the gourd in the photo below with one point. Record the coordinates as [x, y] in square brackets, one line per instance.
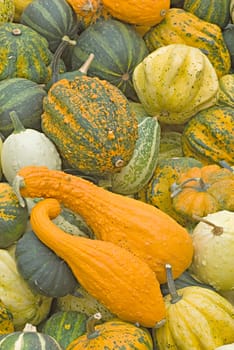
[20, 5]
[13, 218]
[7, 11]
[44, 271]
[217, 12]
[213, 240]
[202, 191]
[114, 45]
[228, 33]
[170, 145]
[26, 147]
[232, 10]
[87, 11]
[125, 289]
[24, 305]
[65, 326]
[6, 320]
[148, 13]
[113, 334]
[25, 97]
[171, 76]
[209, 137]
[119, 219]
[197, 318]
[226, 91]
[182, 27]
[29, 338]
[226, 347]
[90, 122]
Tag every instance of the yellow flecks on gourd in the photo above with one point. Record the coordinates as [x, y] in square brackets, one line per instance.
[4, 52]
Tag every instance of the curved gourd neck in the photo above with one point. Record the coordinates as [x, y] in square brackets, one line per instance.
[17, 125]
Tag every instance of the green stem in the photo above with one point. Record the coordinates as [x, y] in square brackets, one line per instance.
[17, 125]
[175, 297]
[90, 325]
[176, 189]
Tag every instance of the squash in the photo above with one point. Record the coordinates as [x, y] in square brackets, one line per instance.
[197, 318]
[65, 326]
[112, 217]
[13, 218]
[147, 13]
[90, 122]
[209, 136]
[114, 45]
[217, 11]
[87, 11]
[7, 11]
[232, 10]
[20, 5]
[25, 97]
[226, 347]
[6, 320]
[228, 33]
[51, 19]
[125, 289]
[26, 147]
[113, 334]
[213, 241]
[170, 145]
[24, 305]
[182, 27]
[174, 82]
[226, 91]
[29, 338]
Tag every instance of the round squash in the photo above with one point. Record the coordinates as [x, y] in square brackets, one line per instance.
[226, 91]
[228, 34]
[7, 11]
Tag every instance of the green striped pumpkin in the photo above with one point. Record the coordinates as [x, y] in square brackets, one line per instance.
[52, 19]
[215, 11]
[25, 97]
[117, 48]
[226, 91]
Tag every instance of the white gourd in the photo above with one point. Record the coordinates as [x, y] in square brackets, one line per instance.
[226, 347]
[24, 147]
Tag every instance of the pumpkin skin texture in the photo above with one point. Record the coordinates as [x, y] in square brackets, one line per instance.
[171, 76]
[209, 136]
[125, 289]
[6, 320]
[119, 219]
[114, 45]
[90, 122]
[212, 244]
[13, 218]
[7, 10]
[226, 91]
[183, 27]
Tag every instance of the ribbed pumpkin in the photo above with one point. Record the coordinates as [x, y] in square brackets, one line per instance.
[174, 82]
[25, 97]
[117, 49]
[6, 320]
[216, 11]
[90, 122]
[183, 27]
[13, 218]
[87, 11]
[209, 136]
[7, 11]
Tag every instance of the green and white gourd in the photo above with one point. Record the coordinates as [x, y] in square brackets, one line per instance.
[25, 147]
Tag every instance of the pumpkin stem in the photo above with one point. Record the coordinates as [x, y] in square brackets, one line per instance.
[17, 125]
[84, 68]
[176, 189]
[175, 297]
[217, 230]
[90, 325]
[225, 165]
[29, 328]
[18, 182]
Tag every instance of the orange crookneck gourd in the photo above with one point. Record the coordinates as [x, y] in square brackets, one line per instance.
[118, 279]
[142, 229]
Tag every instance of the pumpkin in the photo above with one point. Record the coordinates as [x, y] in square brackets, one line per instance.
[174, 82]
[90, 122]
[182, 27]
[13, 218]
[228, 33]
[6, 320]
[217, 12]
[170, 145]
[87, 11]
[65, 326]
[226, 91]
[146, 13]
[209, 136]
[29, 338]
[113, 334]
[232, 10]
[202, 191]
[226, 347]
[51, 19]
[24, 305]
[7, 11]
[114, 45]
[213, 241]
[24, 147]
[119, 219]
[25, 97]
[124, 289]
[197, 318]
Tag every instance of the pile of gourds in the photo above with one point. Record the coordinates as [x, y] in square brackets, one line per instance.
[117, 174]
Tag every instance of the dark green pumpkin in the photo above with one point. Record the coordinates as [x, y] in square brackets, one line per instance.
[25, 97]
[13, 217]
[228, 35]
[65, 326]
[52, 19]
[216, 11]
[91, 123]
[42, 269]
[117, 48]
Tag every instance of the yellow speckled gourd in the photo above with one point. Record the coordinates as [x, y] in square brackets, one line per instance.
[6, 320]
[7, 11]
[226, 90]
[182, 27]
